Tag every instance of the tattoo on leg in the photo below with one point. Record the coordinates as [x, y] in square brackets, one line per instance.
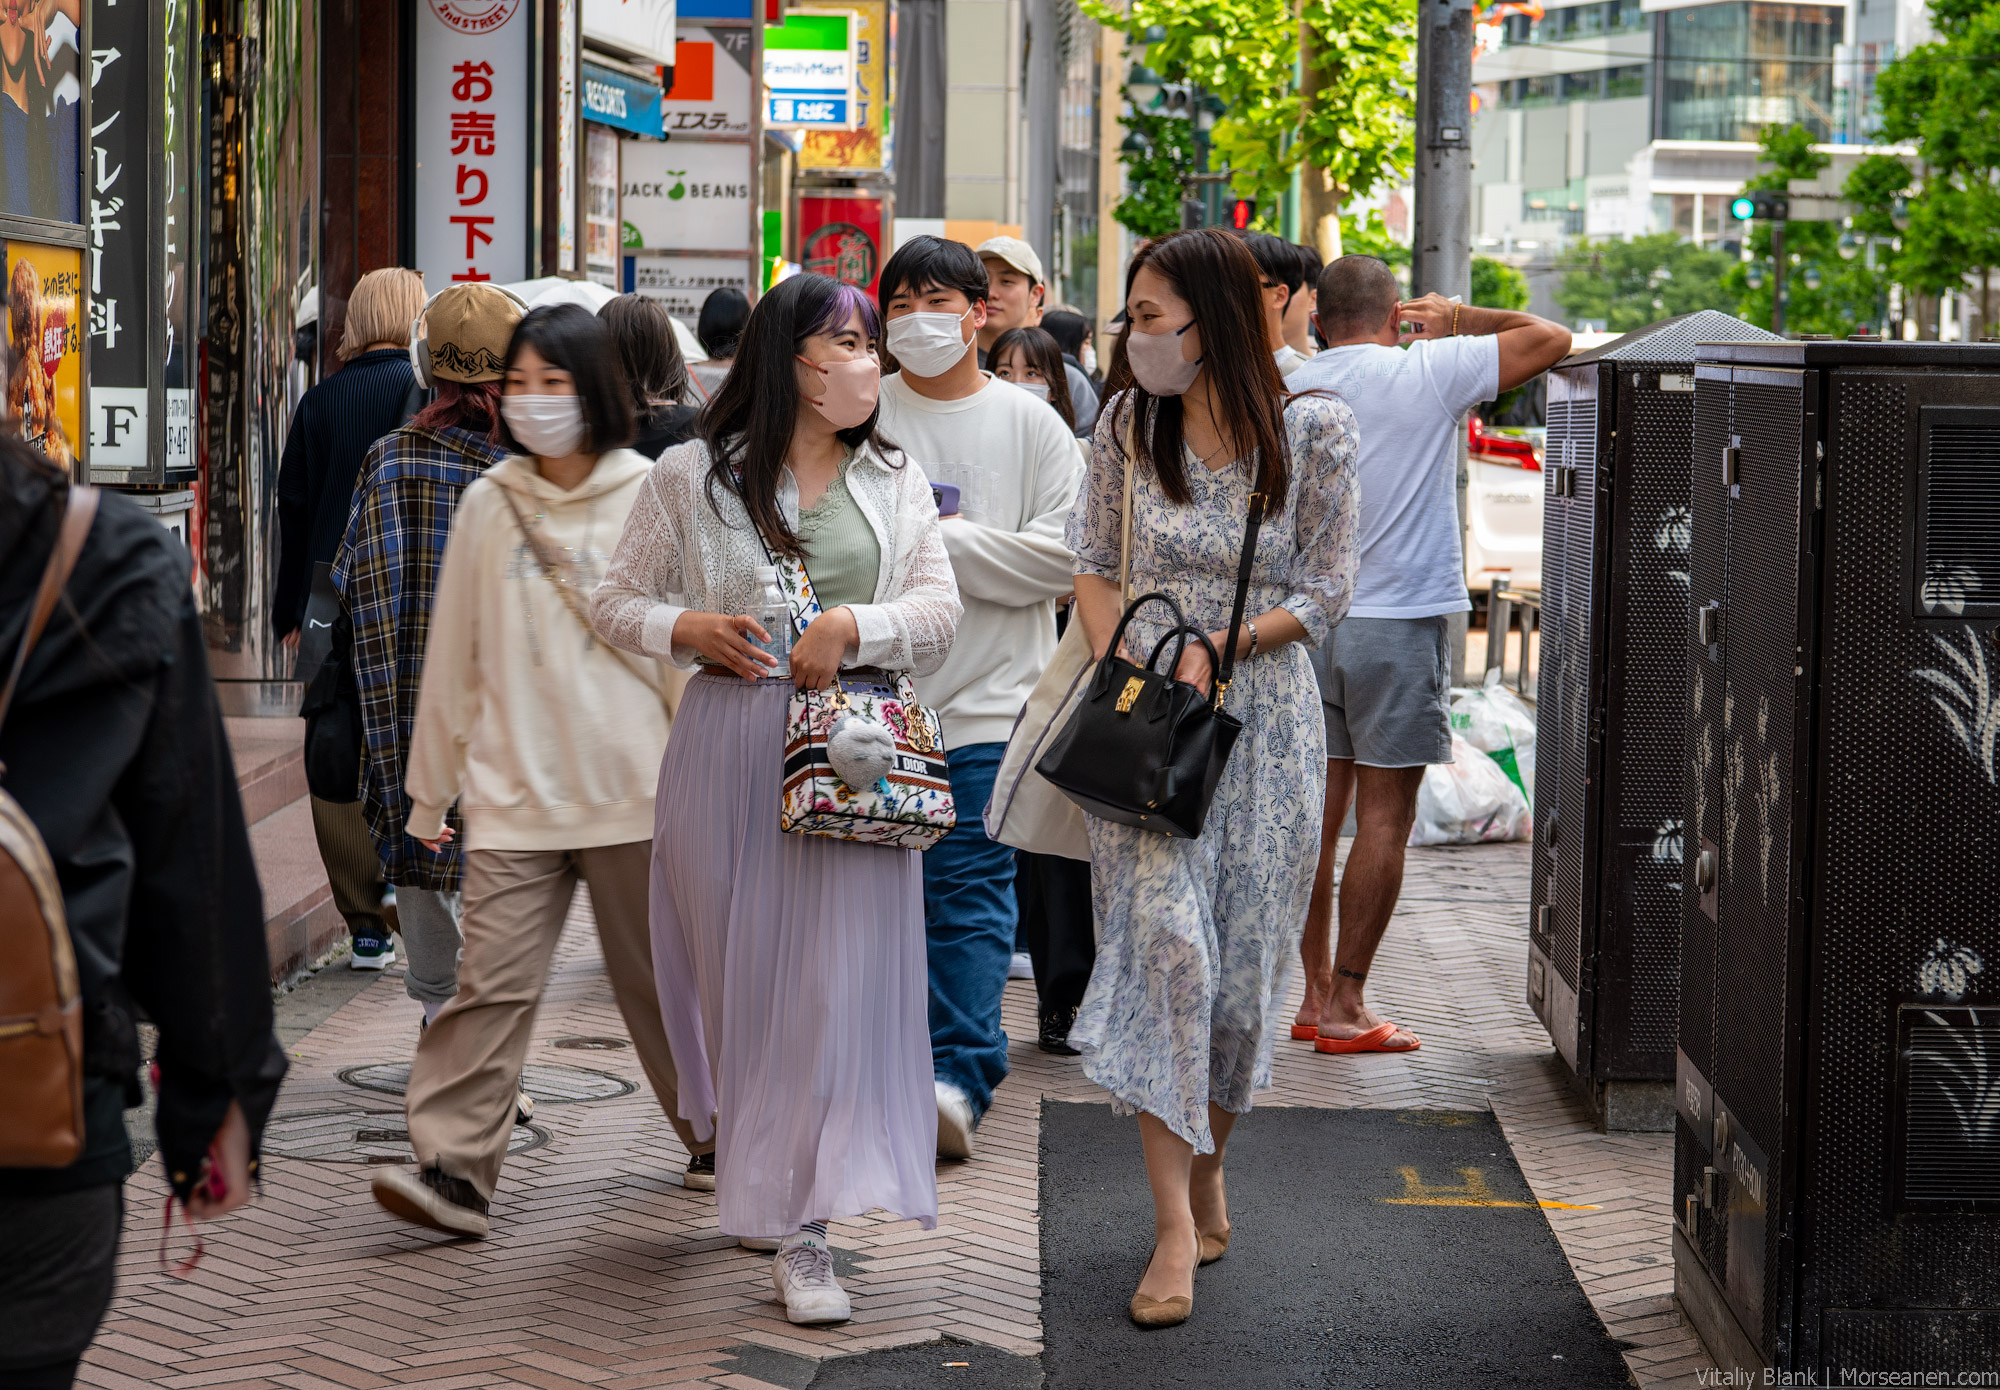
[1351, 974]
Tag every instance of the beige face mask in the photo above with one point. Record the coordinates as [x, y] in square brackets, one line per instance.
[1157, 363]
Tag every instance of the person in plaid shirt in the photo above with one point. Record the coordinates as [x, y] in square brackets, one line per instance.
[386, 573]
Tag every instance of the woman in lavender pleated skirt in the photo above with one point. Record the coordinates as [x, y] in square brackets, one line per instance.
[791, 968]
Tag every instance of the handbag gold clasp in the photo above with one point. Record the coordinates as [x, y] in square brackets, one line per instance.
[1129, 696]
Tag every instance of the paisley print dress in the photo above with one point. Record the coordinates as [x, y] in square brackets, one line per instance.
[1196, 935]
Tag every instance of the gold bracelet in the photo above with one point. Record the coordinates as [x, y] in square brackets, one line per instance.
[1454, 319]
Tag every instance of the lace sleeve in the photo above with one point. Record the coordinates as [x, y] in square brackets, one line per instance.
[1096, 522]
[629, 608]
[1326, 512]
[913, 628]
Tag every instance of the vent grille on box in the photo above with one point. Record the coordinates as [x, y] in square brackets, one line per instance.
[1959, 570]
[1949, 1126]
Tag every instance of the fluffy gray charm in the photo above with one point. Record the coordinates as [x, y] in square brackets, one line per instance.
[861, 751]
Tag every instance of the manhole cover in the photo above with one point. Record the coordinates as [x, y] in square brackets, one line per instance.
[591, 1044]
[548, 1084]
[362, 1136]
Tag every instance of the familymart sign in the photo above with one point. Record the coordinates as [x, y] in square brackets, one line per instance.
[809, 65]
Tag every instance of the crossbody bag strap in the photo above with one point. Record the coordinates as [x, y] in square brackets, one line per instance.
[78, 513]
[553, 572]
[1251, 526]
[1125, 521]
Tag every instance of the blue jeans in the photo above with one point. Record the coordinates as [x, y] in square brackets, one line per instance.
[969, 917]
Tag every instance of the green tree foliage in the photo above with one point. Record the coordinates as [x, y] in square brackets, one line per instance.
[1629, 284]
[1808, 246]
[1153, 207]
[1246, 52]
[1497, 285]
[1945, 98]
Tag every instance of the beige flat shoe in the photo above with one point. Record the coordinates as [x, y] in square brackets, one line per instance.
[1214, 1247]
[1160, 1312]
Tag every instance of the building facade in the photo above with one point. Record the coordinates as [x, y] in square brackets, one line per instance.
[1621, 118]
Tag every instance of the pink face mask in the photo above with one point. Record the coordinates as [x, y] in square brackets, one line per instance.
[1157, 363]
[851, 391]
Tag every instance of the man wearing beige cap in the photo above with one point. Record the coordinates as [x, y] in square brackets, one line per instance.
[1017, 294]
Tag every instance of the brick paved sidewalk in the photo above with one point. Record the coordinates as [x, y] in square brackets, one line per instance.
[604, 1272]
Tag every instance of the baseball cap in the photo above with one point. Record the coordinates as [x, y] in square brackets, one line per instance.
[1014, 252]
[468, 328]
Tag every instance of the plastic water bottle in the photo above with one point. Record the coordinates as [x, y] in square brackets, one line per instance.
[774, 614]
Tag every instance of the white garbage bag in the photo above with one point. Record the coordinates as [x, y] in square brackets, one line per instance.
[1469, 801]
[1499, 723]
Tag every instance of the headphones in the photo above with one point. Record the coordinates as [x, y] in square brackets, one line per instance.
[420, 343]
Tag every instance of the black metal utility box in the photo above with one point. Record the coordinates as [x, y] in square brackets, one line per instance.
[1837, 1145]
[1604, 957]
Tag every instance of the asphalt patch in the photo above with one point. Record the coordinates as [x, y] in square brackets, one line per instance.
[949, 1362]
[1344, 1269]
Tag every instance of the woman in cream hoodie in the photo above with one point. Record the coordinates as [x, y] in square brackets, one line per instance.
[550, 743]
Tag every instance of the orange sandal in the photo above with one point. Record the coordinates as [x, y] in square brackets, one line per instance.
[1304, 1032]
[1371, 1041]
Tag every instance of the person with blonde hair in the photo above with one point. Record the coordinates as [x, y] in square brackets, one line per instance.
[332, 428]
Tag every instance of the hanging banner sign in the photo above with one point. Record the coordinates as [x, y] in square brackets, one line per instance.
[809, 73]
[841, 237]
[710, 94]
[687, 195]
[642, 30]
[864, 148]
[619, 100]
[473, 141]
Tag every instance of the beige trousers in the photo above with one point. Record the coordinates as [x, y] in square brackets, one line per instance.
[468, 1063]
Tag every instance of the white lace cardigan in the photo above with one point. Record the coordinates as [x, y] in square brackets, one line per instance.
[676, 546]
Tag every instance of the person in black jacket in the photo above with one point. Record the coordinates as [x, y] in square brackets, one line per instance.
[332, 428]
[654, 369]
[114, 747]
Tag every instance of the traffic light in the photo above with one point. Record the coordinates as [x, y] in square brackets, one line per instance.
[1760, 207]
[1242, 213]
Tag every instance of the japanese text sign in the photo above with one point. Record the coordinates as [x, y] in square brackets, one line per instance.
[809, 73]
[472, 140]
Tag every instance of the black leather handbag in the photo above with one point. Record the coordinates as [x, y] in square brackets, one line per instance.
[1144, 749]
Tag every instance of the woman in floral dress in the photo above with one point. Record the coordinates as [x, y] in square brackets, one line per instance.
[1196, 934]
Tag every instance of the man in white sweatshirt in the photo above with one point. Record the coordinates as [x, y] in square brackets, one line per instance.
[1016, 470]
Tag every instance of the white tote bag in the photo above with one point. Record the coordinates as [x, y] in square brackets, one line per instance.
[1025, 810]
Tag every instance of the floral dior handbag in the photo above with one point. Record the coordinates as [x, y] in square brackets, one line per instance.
[863, 761]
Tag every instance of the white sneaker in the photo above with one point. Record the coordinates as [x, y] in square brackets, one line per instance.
[955, 1122]
[1021, 967]
[764, 1245]
[802, 1273]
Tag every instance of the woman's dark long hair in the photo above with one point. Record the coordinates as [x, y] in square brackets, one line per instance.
[654, 368]
[1213, 271]
[748, 424]
[1044, 354]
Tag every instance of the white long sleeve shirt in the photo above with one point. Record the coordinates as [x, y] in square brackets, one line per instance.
[1017, 470]
[683, 551]
[544, 737]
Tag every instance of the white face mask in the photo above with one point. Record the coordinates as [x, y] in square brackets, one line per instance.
[1038, 389]
[928, 344]
[1088, 358]
[549, 427]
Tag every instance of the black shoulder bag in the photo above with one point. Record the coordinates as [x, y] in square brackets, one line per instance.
[1145, 749]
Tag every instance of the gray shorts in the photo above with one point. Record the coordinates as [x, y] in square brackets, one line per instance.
[1385, 687]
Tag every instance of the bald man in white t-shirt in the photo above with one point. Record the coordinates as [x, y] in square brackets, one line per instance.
[1410, 370]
